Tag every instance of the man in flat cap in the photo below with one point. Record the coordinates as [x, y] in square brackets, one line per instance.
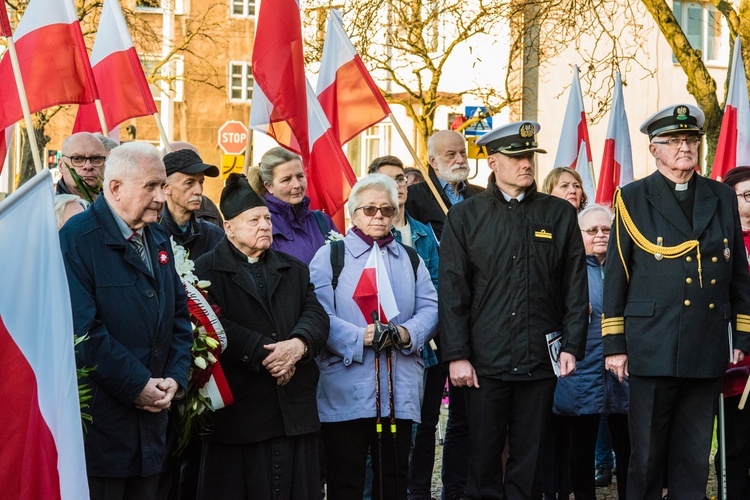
[676, 306]
[184, 189]
[512, 280]
[263, 445]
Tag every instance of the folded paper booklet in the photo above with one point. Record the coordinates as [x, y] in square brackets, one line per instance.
[554, 343]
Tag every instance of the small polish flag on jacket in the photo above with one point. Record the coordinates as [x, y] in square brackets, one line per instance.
[733, 146]
[123, 89]
[373, 291]
[41, 456]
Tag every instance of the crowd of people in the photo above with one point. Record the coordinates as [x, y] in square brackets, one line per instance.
[546, 317]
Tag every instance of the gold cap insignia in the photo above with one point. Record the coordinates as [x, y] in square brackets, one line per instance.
[526, 130]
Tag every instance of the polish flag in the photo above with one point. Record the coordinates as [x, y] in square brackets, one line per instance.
[53, 59]
[574, 149]
[329, 175]
[733, 147]
[5, 139]
[617, 163]
[42, 452]
[286, 108]
[373, 291]
[123, 89]
[279, 106]
[346, 91]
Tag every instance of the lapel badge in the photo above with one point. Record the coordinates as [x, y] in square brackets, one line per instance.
[727, 252]
[526, 130]
[163, 257]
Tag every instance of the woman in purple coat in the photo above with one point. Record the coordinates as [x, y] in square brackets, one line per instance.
[297, 230]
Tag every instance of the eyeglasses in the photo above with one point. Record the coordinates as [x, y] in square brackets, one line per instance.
[676, 143]
[400, 180]
[79, 161]
[745, 195]
[593, 231]
[370, 210]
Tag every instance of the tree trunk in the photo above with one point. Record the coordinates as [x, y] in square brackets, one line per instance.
[27, 161]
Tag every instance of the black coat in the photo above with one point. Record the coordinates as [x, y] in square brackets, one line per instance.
[662, 318]
[509, 276]
[263, 410]
[200, 237]
[422, 205]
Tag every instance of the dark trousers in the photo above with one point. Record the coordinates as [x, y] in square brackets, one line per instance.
[124, 488]
[346, 445]
[582, 430]
[555, 459]
[671, 416]
[737, 428]
[524, 409]
[283, 468]
[419, 481]
[456, 445]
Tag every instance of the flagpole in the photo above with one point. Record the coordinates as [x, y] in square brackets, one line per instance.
[162, 133]
[102, 119]
[418, 163]
[31, 133]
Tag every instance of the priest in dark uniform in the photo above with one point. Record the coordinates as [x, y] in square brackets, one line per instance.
[264, 445]
[676, 306]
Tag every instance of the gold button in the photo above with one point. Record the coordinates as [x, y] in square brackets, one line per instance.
[689, 280]
[688, 259]
[714, 259]
[711, 306]
[687, 302]
[713, 282]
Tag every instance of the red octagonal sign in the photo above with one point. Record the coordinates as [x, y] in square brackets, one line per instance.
[233, 137]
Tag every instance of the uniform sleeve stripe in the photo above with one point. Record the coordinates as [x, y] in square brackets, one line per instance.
[613, 326]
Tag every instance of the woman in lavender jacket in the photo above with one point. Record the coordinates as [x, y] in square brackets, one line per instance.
[297, 230]
[346, 390]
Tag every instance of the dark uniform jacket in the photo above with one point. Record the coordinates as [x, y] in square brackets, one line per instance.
[138, 328]
[200, 237]
[263, 410]
[422, 205]
[508, 276]
[656, 310]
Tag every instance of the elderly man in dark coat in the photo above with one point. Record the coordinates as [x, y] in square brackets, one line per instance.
[264, 445]
[128, 300]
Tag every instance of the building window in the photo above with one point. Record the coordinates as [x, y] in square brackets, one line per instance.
[156, 6]
[376, 141]
[243, 8]
[240, 81]
[705, 28]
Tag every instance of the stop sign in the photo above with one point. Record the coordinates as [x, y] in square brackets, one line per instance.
[233, 137]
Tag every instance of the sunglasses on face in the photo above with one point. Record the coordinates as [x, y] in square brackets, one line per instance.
[595, 230]
[370, 210]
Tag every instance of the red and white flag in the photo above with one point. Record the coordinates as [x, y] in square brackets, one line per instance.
[373, 291]
[574, 149]
[350, 98]
[5, 138]
[286, 108]
[53, 59]
[329, 175]
[41, 456]
[733, 146]
[617, 162]
[122, 85]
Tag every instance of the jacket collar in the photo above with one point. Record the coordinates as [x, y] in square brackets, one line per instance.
[417, 228]
[497, 195]
[288, 214]
[168, 222]
[659, 194]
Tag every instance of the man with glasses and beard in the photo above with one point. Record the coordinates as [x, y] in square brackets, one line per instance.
[676, 306]
[81, 166]
[449, 170]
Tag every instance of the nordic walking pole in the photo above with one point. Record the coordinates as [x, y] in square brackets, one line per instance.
[378, 423]
[388, 354]
[722, 447]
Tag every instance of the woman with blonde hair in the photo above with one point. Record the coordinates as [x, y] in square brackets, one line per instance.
[566, 183]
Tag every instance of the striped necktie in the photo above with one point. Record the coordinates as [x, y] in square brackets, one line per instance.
[136, 241]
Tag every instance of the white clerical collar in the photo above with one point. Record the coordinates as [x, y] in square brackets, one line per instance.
[681, 187]
[253, 260]
[508, 197]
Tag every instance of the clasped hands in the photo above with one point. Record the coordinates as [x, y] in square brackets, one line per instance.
[280, 363]
[157, 395]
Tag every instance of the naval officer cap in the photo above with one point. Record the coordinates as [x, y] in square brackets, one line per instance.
[673, 119]
[237, 196]
[513, 139]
